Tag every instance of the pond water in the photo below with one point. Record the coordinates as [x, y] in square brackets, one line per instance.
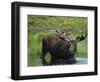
[82, 60]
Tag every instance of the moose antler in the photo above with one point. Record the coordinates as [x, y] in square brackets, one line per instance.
[81, 37]
[60, 34]
[64, 36]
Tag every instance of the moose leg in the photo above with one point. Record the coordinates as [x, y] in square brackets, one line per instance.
[52, 61]
[72, 59]
[44, 52]
[43, 59]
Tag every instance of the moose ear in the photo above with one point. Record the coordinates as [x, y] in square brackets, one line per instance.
[81, 37]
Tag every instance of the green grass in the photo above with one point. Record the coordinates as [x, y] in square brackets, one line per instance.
[82, 49]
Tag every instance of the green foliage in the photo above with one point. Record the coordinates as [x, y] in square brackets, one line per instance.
[57, 22]
[75, 26]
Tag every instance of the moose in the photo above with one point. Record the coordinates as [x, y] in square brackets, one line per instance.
[61, 47]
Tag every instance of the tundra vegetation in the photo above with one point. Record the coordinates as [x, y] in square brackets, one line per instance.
[40, 26]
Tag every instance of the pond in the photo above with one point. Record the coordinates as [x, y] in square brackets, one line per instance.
[82, 60]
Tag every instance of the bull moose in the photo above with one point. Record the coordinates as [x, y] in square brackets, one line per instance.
[61, 49]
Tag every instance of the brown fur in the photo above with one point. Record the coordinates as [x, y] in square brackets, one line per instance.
[62, 52]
